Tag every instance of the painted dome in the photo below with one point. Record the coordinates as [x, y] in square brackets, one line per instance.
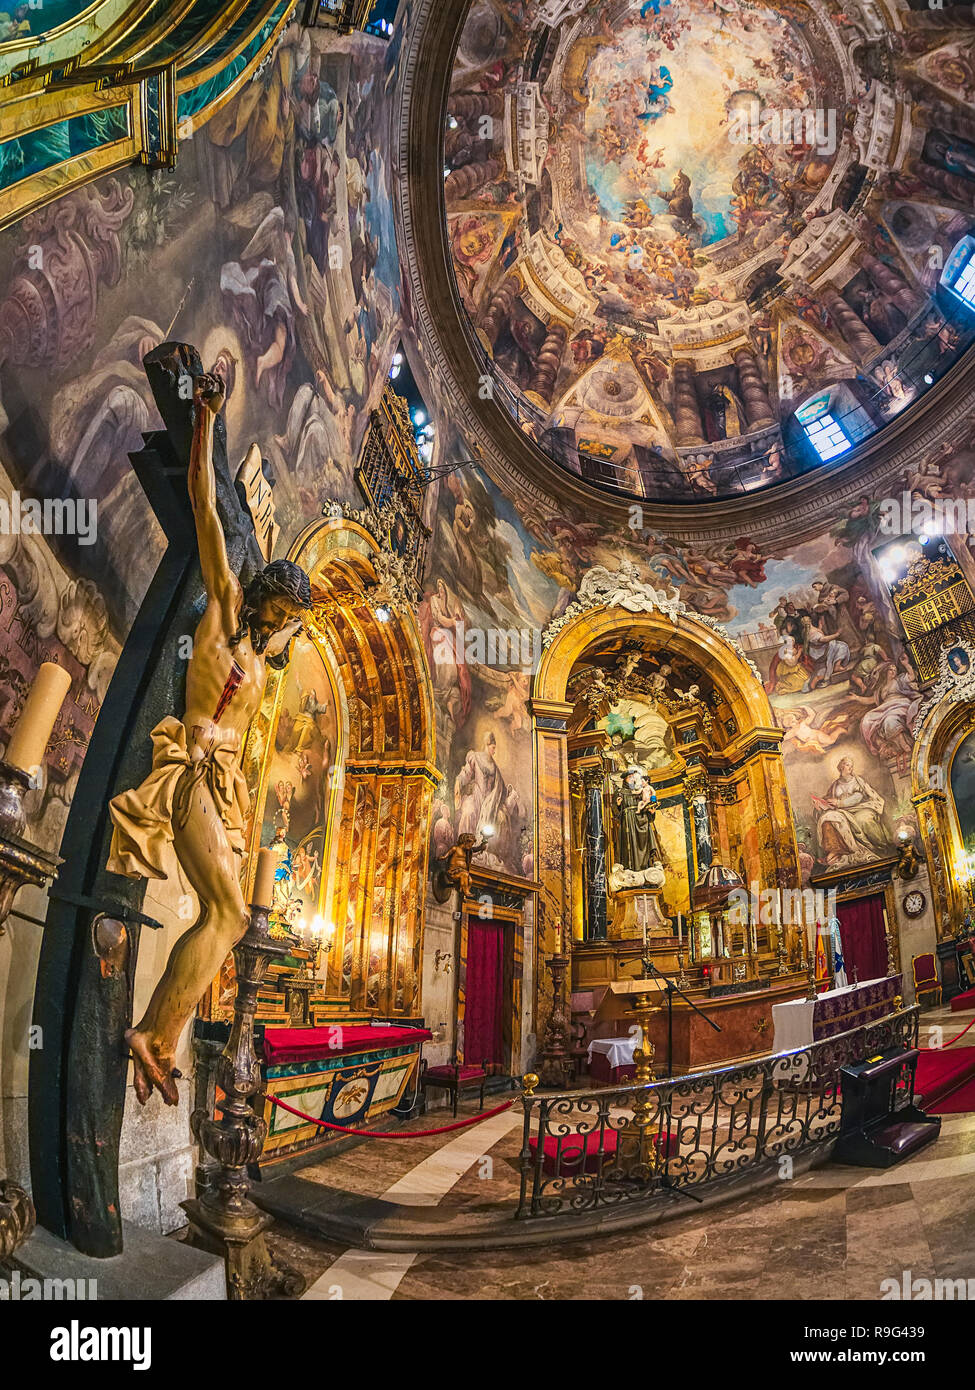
[686, 231]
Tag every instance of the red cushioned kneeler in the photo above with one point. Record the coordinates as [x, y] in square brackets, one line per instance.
[564, 1156]
[962, 1002]
[448, 1073]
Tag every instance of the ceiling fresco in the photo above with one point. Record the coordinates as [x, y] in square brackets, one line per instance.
[673, 223]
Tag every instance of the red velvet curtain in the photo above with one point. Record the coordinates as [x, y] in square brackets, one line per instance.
[483, 1041]
[862, 934]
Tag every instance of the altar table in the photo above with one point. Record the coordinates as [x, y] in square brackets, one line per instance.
[800, 1022]
[347, 1074]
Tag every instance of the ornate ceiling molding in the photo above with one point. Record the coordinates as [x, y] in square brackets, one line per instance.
[790, 511]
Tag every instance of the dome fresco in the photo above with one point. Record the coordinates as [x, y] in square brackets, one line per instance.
[674, 224]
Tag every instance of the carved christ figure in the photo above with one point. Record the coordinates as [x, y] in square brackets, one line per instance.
[195, 797]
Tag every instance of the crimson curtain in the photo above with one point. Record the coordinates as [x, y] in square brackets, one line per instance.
[483, 1041]
[862, 934]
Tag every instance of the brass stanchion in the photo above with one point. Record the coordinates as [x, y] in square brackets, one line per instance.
[647, 1158]
[225, 1220]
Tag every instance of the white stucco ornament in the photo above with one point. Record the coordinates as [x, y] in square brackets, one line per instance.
[625, 589]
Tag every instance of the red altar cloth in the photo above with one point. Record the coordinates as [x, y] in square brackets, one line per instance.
[283, 1045]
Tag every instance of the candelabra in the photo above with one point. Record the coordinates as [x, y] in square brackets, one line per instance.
[20, 863]
[780, 951]
[891, 948]
[682, 980]
[225, 1220]
[556, 1065]
[811, 980]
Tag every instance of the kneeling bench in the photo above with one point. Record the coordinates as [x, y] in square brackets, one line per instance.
[454, 1079]
[565, 1155]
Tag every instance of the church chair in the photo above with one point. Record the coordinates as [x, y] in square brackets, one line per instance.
[454, 1078]
[925, 976]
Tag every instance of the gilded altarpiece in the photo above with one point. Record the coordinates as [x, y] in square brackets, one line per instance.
[377, 779]
[942, 744]
[740, 773]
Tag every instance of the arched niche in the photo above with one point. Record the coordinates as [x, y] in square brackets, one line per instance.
[377, 783]
[943, 730]
[754, 749]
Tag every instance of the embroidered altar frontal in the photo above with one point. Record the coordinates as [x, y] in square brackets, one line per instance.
[345, 1075]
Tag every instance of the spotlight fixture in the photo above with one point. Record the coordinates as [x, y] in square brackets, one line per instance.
[383, 612]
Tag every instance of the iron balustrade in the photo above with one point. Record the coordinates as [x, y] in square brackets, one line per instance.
[583, 1150]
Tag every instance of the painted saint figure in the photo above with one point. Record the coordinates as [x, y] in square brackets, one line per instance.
[851, 822]
[195, 798]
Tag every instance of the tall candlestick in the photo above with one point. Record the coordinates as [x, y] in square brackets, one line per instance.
[30, 737]
[264, 879]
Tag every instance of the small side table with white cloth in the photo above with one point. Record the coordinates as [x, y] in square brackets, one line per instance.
[611, 1059]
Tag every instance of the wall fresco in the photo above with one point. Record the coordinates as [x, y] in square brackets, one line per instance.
[271, 247]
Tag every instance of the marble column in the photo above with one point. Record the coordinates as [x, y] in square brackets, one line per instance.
[702, 834]
[949, 17]
[548, 362]
[498, 311]
[465, 106]
[758, 407]
[849, 324]
[687, 412]
[594, 856]
[955, 188]
[461, 183]
[887, 280]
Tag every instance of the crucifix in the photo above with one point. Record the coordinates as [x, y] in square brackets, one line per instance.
[86, 972]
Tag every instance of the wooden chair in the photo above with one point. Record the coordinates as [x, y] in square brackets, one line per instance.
[578, 1045]
[453, 1078]
[925, 976]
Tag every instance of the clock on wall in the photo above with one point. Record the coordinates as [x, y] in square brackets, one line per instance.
[915, 903]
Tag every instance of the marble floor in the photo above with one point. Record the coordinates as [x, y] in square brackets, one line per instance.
[833, 1233]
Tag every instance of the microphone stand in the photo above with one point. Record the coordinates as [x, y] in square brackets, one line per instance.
[672, 989]
[650, 969]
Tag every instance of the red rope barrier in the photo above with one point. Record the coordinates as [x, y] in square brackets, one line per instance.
[950, 1040]
[393, 1133]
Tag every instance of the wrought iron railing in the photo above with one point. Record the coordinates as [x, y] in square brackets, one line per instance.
[584, 1150]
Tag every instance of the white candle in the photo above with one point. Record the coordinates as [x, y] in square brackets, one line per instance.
[264, 879]
[680, 930]
[29, 739]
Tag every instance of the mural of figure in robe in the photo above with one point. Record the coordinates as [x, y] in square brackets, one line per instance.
[195, 798]
[486, 801]
[851, 822]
